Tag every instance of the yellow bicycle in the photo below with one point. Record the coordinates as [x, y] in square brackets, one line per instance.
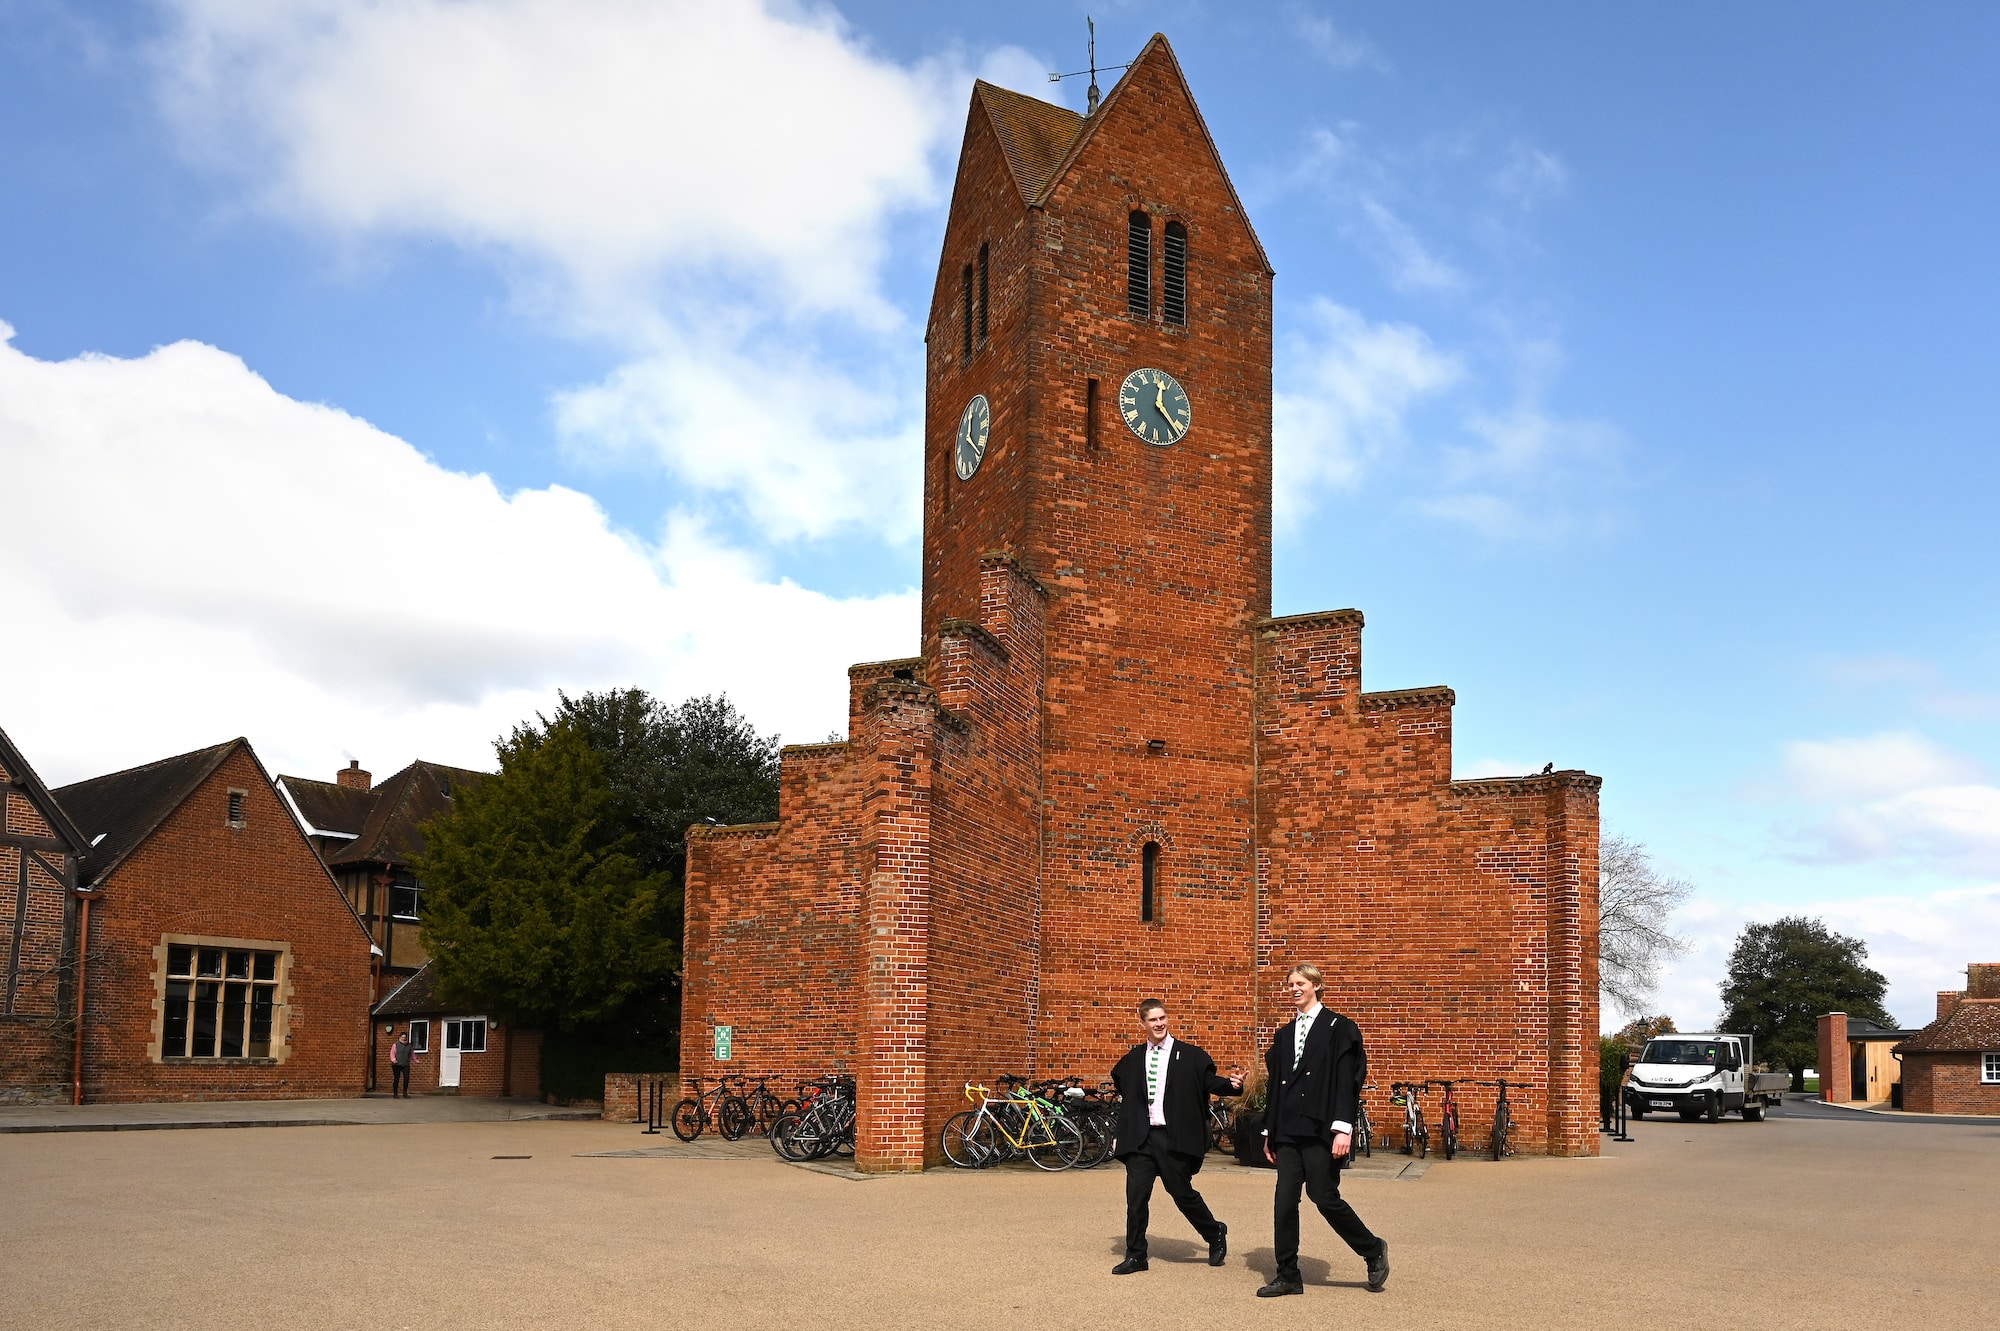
[1010, 1125]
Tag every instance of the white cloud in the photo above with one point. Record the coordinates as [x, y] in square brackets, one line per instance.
[1526, 472]
[1919, 941]
[1337, 46]
[804, 448]
[201, 556]
[1871, 766]
[1408, 262]
[614, 140]
[1346, 387]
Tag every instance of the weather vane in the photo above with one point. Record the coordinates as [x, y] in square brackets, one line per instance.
[1092, 71]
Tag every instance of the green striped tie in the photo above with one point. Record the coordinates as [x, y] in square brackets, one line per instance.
[1153, 1076]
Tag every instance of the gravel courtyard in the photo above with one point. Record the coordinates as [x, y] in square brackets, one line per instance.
[1795, 1222]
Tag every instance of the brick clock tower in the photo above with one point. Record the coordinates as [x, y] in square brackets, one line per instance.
[1109, 774]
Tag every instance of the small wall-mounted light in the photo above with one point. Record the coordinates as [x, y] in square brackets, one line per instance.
[1156, 746]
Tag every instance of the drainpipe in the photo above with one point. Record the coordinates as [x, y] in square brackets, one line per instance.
[86, 896]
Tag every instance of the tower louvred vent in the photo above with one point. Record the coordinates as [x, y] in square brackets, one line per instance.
[1139, 266]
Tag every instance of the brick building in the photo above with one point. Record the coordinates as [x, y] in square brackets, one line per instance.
[223, 962]
[1952, 1066]
[1857, 1060]
[1109, 773]
[40, 913]
[368, 836]
[459, 1051]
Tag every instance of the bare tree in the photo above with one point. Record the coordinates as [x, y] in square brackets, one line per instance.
[1633, 938]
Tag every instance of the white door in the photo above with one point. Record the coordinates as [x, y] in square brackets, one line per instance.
[448, 1059]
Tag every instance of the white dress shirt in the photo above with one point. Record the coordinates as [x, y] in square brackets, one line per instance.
[1155, 1107]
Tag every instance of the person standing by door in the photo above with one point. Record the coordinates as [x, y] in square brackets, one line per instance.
[1163, 1089]
[400, 1054]
[1317, 1066]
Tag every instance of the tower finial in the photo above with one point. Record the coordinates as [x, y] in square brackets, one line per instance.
[1094, 96]
[1091, 102]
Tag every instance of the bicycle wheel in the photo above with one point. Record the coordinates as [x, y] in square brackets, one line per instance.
[1099, 1137]
[689, 1120]
[1222, 1129]
[735, 1118]
[967, 1140]
[810, 1139]
[1449, 1127]
[1502, 1122]
[1057, 1148]
[1364, 1134]
[781, 1137]
[1423, 1138]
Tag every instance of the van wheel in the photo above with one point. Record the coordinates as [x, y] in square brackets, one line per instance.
[1637, 1112]
[1715, 1109]
[1753, 1113]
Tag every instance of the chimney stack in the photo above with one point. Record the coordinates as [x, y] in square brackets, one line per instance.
[353, 777]
[1982, 979]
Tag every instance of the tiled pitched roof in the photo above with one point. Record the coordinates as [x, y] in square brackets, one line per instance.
[118, 811]
[22, 773]
[416, 997]
[1033, 134]
[328, 806]
[1971, 1027]
[392, 833]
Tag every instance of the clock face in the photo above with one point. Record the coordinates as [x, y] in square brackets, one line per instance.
[974, 425]
[1155, 406]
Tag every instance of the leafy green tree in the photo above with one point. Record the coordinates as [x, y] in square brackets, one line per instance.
[538, 907]
[1784, 975]
[672, 767]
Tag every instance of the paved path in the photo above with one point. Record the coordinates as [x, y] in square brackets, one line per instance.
[276, 1113]
[493, 1226]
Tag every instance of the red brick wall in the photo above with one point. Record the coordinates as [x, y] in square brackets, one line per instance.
[1455, 921]
[37, 922]
[968, 866]
[1946, 1084]
[198, 876]
[773, 911]
[511, 1063]
[1836, 1073]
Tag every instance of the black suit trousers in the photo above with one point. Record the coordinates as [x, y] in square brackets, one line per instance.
[1308, 1166]
[1153, 1160]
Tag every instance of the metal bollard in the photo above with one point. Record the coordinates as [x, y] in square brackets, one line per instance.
[649, 1104]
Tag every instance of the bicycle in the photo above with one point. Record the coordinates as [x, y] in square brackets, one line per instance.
[1013, 1124]
[1447, 1118]
[694, 1114]
[1503, 1119]
[757, 1108]
[825, 1127]
[1221, 1127]
[1364, 1132]
[1416, 1137]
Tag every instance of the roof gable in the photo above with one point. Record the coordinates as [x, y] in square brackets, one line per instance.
[1034, 135]
[1157, 60]
[21, 773]
[327, 807]
[392, 832]
[116, 812]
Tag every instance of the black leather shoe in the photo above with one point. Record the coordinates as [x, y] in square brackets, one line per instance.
[1378, 1268]
[1128, 1266]
[1218, 1247]
[1279, 1286]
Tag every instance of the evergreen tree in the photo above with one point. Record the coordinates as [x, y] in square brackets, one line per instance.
[538, 907]
[1784, 975]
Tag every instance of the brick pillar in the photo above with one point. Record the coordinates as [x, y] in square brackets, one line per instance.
[890, 1130]
[1572, 968]
[1835, 1079]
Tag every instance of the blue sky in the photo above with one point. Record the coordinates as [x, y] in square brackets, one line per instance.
[377, 369]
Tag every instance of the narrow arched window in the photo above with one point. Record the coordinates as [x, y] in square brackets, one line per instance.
[966, 303]
[1139, 266]
[1149, 882]
[983, 289]
[1173, 275]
